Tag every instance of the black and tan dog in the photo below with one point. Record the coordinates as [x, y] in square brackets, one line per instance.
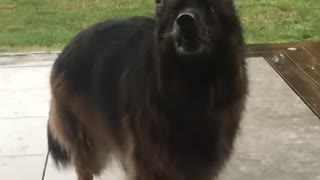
[163, 95]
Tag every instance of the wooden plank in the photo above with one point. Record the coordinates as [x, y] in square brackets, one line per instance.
[308, 63]
[296, 78]
[298, 63]
[314, 50]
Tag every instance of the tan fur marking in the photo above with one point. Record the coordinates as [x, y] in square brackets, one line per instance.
[90, 124]
[56, 126]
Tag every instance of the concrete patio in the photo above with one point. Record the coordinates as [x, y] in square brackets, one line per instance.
[280, 137]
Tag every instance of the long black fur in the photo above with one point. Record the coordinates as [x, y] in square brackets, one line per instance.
[58, 153]
[182, 113]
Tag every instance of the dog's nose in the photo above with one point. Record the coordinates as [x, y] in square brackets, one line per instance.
[186, 20]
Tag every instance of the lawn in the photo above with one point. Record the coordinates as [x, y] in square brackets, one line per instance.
[50, 24]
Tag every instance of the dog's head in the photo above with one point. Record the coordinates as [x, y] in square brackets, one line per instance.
[193, 28]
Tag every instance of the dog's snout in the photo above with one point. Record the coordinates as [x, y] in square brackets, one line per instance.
[186, 20]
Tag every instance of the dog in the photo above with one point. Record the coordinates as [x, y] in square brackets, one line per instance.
[164, 95]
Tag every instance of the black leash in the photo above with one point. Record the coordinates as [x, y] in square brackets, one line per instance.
[45, 166]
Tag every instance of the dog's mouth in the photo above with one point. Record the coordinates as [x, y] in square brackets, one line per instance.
[185, 46]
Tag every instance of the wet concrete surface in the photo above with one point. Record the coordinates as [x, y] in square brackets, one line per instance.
[280, 134]
[280, 137]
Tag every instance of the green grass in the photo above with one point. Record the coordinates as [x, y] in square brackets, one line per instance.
[50, 24]
[280, 20]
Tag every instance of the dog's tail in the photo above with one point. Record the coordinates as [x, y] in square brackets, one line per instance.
[60, 155]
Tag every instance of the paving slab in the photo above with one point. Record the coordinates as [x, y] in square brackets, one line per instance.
[24, 78]
[23, 137]
[279, 139]
[24, 103]
[280, 134]
[24, 97]
[21, 168]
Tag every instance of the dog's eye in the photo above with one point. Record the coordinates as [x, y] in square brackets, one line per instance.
[212, 9]
[210, 6]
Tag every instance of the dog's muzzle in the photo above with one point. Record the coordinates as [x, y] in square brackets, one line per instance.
[186, 34]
